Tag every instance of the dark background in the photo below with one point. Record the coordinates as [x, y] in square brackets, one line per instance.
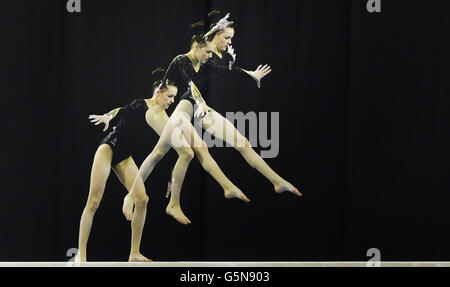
[363, 103]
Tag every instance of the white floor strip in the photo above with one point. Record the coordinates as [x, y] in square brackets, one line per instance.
[223, 264]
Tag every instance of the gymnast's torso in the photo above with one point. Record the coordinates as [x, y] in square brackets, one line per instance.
[183, 73]
[130, 131]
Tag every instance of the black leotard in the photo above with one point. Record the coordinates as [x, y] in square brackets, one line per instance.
[183, 74]
[206, 79]
[217, 66]
[130, 131]
[217, 70]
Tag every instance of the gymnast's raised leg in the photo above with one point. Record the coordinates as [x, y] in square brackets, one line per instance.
[223, 129]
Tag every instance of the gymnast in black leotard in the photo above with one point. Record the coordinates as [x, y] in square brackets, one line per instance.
[220, 66]
[135, 126]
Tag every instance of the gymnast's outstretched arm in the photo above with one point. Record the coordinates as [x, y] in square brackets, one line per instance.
[237, 72]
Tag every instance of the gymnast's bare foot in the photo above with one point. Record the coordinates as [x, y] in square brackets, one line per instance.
[286, 186]
[176, 212]
[235, 192]
[138, 258]
[128, 206]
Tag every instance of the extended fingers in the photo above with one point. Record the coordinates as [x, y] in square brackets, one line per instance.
[267, 72]
[224, 22]
[264, 68]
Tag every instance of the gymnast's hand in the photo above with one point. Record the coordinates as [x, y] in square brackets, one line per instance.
[260, 73]
[96, 119]
[230, 51]
[223, 23]
[202, 109]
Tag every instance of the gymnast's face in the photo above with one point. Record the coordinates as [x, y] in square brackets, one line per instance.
[223, 39]
[166, 97]
[203, 52]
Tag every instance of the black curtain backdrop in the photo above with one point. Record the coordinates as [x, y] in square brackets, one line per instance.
[364, 119]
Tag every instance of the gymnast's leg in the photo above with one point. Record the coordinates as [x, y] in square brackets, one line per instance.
[200, 149]
[173, 209]
[223, 129]
[126, 171]
[99, 174]
[140, 200]
[185, 155]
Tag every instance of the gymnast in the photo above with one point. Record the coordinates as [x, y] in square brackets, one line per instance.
[134, 125]
[217, 67]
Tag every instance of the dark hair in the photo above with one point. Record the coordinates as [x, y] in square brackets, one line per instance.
[162, 83]
[199, 33]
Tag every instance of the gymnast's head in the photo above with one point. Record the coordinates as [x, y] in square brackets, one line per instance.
[200, 46]
[222, 38]
[164, 90]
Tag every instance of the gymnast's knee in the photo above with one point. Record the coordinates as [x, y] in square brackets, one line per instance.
[141, 199]
[187, 154]
[177, 119]
[93, 204]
